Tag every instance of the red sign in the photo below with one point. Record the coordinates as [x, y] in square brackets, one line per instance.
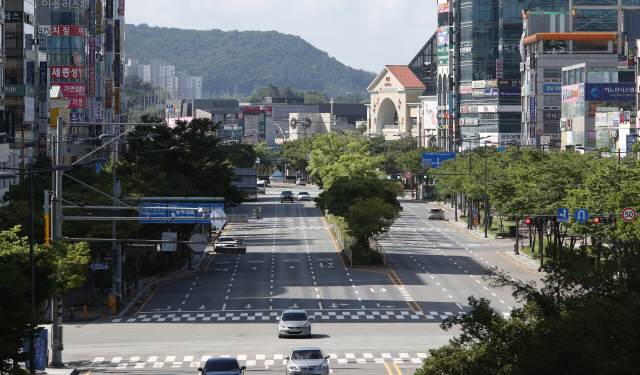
[539, 132]
[67, 72]
[108, 94]
[257, 110]
[72, 89]
[77, 101]
[92, 81]
[499, 69]
[408, 174]
[64, 30]
[628, 214]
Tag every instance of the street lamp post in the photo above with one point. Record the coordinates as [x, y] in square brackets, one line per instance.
[486, 206]
[7, 175]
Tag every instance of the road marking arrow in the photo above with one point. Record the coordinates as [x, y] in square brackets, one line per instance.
[248, 306]
[254, 268]
[292, 267]
[161, 309]
[386, 307]
[295, 306]
[201, 307]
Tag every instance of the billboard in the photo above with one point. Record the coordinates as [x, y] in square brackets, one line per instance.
[573, 93]
[430, 114]
[622, 92]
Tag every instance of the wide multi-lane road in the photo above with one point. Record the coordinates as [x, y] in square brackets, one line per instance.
[374, 320]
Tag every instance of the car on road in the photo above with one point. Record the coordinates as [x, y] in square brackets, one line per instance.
[436, 213]
[294, 323]
[228, 244]
[222, 366]
[303, 196]
[286, 195]
[307, 361]
[262, 187]
[301, 182]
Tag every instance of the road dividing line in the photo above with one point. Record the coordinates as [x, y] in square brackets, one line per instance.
[388, 369]
[397, 368]
[403, 287]
[502, 255]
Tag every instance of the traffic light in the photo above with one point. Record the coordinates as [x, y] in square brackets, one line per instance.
[528, 221]
[604, 220]
[536, 220]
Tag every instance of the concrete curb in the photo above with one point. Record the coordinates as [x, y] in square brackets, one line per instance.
[59, 371]
[155, 281]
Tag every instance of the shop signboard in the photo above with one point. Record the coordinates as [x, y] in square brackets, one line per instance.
[623, 92]
[552, 115]
[551, 88]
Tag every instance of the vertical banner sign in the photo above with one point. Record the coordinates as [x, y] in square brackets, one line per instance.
[116, 36]
[108, 94]
[116, 71]
[92, 17]
[10, 123]
[122, 76]
[92, 50]
[30, 72]
[92, 81]
[108, 38]
[108, 116]
[108, 9]
[99, 109]
[98, 17]
[499, 69]
[116, 101]
[630, 54]
[42, 76]
[121, 8]
[532, 108]
[42, 143]
[92, 109]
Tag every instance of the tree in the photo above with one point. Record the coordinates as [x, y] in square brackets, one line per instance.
[368, 218]
[582, 320]
[315, 97]
[345, 192]
[269, 90]
[57, 268]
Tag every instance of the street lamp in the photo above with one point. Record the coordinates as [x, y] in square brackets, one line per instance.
[8, 175]
[486, 206]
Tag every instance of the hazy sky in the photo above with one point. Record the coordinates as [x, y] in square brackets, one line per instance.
[363, 34]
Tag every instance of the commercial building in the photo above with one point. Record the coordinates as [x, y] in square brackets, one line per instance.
[595, 99]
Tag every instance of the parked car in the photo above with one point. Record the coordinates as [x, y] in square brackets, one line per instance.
[436, 213]
[301, 182]
[303, 196]
[307, 360]
[286, 195]
[222, 366]
[294, 323]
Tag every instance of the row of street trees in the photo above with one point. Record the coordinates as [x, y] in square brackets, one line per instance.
[202, 167]
[583, 319]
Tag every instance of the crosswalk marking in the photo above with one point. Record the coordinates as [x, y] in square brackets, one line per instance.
[267, 360]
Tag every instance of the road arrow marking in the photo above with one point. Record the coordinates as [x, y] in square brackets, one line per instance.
[385, 307]
[220, 269]
[292, 267]
[254, 268]
[295, 306]
[161, 309]
[248, 306]
[201, 307]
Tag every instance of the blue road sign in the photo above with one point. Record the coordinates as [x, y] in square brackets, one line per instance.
[41, 342]
[619, 244]
[581, 215]
[153, 210]
[182, 213]
[99, 266]
[435, 159]
[563, 215]
[210, 207]
[631, 140]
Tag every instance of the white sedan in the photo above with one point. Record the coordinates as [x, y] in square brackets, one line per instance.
[304, 196]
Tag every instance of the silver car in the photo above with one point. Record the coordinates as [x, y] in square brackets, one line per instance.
[436, 213]
[294, 323]
[307, 361]
[303, 196]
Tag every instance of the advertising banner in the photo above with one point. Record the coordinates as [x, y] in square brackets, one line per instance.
[62, 30]
[67, 72]
[431, 114]
[499, 69]
[42, 143]
[77, 101]
[121, 7]
[622, 92]
[443, 7]
[82, 131]
[443, 36]
[509, 83]
[512, 91]
[551, 88]
[42, 76]
[116, 36]
[108, 38]
[443, 55]
[98, 17]
[77, 117]
[573, 93]
[116, 101]
[108, 9]
[10, 122]
[92, 17]
[72, 89]
[92, 109]
[116, 71]
[92, 81]
[108, 94]
[508, 137]
[552, 115]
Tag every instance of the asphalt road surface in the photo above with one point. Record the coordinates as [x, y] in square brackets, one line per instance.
[374, 321]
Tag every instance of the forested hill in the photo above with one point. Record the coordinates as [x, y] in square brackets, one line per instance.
[239, 62]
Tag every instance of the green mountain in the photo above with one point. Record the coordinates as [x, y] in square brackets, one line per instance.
[238, 62]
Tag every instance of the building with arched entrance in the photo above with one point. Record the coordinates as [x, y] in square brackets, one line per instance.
[395, 106]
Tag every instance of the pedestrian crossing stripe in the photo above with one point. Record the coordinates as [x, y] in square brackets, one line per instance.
[172, 361]
[403, 315]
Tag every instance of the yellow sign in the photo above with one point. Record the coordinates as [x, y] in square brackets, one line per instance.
[57, 112]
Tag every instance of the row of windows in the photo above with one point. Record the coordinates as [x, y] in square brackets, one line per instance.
[597, 75]
[67, 18]
[65, 43]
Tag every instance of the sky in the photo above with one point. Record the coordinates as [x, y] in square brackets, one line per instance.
[362, 34]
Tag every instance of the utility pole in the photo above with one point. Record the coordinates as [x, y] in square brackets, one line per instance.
[56, 231]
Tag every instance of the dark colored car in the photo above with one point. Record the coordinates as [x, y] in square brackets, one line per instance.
[286, 195]
[222, 366]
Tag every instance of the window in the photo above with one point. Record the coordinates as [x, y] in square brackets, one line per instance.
[551, 100]
[551, 73]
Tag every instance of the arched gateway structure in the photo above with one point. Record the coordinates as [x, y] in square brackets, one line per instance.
[395, 103]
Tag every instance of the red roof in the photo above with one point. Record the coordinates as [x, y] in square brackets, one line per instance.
[404, 75]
